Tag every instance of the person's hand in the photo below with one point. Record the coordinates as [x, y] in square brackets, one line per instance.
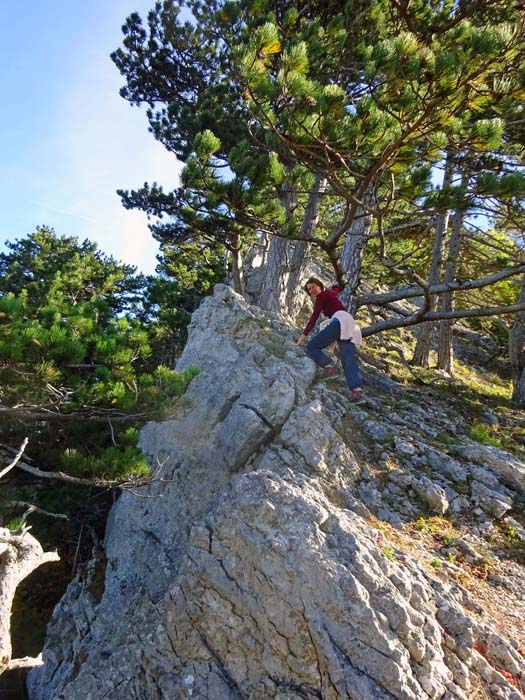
[300, 340]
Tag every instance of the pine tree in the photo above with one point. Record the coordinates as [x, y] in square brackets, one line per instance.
[76, 377]
[263, 99]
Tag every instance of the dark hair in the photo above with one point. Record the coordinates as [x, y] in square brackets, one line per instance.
[312, 280]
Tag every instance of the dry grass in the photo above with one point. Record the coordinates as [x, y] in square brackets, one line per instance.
[477, 692]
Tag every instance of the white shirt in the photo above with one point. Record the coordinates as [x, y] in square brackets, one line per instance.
[349, 328]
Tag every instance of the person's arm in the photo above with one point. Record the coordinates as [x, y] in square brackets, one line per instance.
[300, 340]
[315, 314]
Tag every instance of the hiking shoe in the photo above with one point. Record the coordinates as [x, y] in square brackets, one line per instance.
[357, 397]
[329, 371]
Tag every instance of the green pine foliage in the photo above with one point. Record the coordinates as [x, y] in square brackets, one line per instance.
[255, 97]
[371, 97]
[76, 346]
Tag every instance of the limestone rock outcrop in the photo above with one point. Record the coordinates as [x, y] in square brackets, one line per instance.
[250, 568]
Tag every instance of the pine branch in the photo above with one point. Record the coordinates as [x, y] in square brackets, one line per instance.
[413, 291]
[414, 319]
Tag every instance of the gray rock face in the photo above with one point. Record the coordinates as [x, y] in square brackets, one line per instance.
[508, 467]
[247, 569]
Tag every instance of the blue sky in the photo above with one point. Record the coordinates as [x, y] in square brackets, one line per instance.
[67, 139]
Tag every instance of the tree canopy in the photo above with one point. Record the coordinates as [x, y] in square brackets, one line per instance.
[324, 128]
[370, 95]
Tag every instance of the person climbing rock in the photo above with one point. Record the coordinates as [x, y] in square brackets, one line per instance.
[339, 327]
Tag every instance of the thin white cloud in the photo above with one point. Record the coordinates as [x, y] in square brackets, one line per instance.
[105, 143]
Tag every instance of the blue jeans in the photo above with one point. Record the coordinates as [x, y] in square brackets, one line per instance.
[347, 352]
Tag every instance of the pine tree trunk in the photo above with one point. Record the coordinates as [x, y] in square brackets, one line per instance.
[277, 269]
[445, 347]
[301, 247]
[273, 292]
[426, 330]
[446, 328]
[517, 353]
[237, 269]
[352, 254]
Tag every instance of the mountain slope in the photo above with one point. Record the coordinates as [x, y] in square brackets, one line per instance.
[284, 547]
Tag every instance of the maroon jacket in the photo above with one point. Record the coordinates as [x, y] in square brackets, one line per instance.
[328, 303]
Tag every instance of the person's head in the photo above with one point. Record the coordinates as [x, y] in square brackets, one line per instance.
[313, 286]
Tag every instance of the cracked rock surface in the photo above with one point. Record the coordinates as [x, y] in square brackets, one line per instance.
[249, 569]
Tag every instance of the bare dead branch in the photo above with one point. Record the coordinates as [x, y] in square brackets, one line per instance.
[16, 459]
[112, 432]
[25, 413]
[77, 550]
[61, 476]
[380, 233]
[31, 508]
[25, 662]
[126, 484]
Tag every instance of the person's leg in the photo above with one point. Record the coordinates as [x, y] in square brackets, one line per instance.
[348, 356]
[323, 339]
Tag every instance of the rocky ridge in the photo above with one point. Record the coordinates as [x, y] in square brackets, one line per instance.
[280, 551]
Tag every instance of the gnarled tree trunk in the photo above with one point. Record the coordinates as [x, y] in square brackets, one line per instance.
[277, 270]
[20, 554]
[237, 269]
[273, 292]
